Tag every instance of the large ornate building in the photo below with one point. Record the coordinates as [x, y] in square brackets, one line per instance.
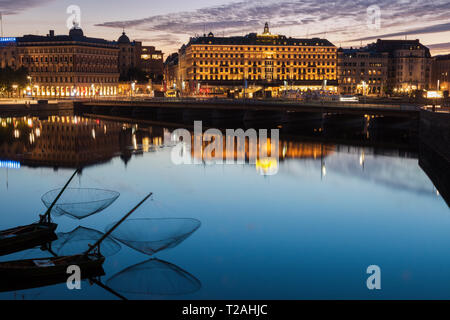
[64, 65]
[264, 63]
[362, 71]
[74, 65]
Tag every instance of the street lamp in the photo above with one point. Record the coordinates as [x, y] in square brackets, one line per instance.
[364, 87]
[15, 87]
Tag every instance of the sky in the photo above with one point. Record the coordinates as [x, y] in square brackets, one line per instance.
[170, 23]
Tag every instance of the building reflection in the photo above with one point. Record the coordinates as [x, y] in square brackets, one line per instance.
[59, 141]
[266, 159]
[77, 141]
[72, 141]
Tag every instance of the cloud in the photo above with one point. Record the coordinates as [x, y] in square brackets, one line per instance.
[442, 27]
[242, 16]
[439, 48]
[341, 20]
[8, 7]
[445, 45]
[161, 40]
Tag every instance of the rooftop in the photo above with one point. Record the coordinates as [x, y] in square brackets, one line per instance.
[393, 45]
[265, 39]
[75, 35]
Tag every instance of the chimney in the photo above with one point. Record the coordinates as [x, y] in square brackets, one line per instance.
[52, 33]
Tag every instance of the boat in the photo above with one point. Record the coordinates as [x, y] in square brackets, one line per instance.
[33, 273]
[25, 237]
[15, 275]
[32, 235]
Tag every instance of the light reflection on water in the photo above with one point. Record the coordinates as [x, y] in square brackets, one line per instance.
[308, 232]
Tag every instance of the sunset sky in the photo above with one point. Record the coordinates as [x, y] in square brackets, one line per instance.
[168, 24]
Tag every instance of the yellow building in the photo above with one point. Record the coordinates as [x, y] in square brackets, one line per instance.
[65, 65]
[262, 64]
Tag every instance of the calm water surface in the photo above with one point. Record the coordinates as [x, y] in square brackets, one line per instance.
[308, 232]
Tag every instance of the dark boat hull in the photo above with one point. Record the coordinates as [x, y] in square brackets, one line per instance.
[26, 237]
[26, 274]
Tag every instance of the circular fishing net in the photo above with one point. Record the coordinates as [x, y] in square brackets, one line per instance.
[78, 241]
[153, 235]
[79, 203]
[154, 277]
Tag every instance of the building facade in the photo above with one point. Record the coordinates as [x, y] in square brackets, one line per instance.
[65, 65]
[440, 74]
[362, 71]
[138, 62]
[409, 66]
[171, 74]
[129, 55]
[264, 63]
[152, 63]
[8, 53]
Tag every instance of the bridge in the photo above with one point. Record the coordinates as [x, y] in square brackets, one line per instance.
[385, 109]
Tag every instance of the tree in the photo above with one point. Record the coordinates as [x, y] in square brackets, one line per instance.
[134, 74]
[10, 77]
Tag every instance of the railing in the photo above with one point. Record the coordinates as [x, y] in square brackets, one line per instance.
[256, 102]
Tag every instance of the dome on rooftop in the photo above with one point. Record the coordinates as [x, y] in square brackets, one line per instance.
[76, 32]
[124, 38]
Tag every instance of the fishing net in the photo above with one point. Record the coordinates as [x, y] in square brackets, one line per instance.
[79, 203]
[153, 235]
[78, 241]
[154, 277]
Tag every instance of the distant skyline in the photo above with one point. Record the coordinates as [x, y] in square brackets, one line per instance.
[168, 24]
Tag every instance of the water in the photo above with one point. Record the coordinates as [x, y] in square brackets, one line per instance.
[308, 232]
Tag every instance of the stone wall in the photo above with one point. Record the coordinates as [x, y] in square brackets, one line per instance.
[435, 132]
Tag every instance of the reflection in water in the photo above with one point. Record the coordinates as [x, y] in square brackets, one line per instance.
[379, 180]
[79, 239]
[73, 141]
[154, 277]
[79, 203]
[69, 141]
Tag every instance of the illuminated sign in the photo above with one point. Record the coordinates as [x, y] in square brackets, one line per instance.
[9, 164]
[7, 39]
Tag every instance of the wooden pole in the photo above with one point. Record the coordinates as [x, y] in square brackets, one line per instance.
[101, 285]
[49, 210]
[106, 235]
